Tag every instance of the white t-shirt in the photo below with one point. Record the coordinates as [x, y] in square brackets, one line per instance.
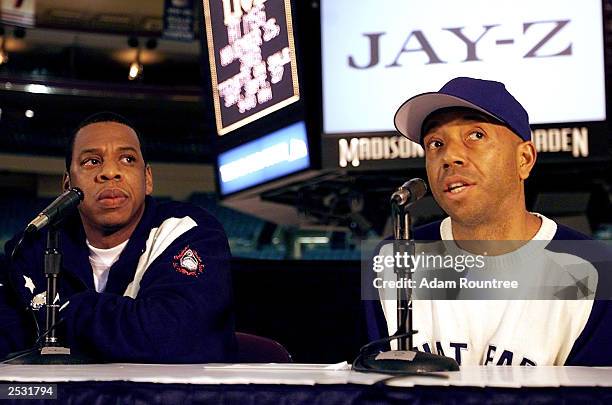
[499, 332]
[101, 261]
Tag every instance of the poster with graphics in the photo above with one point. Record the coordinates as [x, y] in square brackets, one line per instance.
[252, 59]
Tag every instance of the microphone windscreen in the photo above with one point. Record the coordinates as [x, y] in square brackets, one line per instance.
[417, 188]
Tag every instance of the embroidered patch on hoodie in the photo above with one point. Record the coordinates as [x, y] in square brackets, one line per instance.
[188, 262]
[39, 301]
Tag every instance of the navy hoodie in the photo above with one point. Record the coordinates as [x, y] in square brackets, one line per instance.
[177, 308]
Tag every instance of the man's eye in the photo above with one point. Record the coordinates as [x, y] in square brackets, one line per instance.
[128, 159]
[434, 144]
[90, 162]
[476, 135]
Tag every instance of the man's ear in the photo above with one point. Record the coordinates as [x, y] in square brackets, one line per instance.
[148, 180]
[527, 155]
[66, 181]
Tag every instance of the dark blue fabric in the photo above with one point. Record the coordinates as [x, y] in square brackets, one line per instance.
[118, 392]
[175, 318]
[594, 345]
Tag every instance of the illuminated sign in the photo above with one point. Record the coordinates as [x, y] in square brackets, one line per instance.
[252, 59]
[274, 155]
[388, 151]
[356, 150]
[376, 55]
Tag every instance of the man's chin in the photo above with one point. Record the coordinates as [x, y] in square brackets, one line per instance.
[111, 223]
[464, 216]
[111, 228]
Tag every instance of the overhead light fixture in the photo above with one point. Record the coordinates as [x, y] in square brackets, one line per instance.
[3, 53]
[136, 66]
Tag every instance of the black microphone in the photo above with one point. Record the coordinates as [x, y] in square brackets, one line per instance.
[409, 192]
[57, 210]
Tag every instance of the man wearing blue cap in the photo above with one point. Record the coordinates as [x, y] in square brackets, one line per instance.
[478, 154]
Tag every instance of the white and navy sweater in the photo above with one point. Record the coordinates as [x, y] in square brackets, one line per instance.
[168, 298]
[512, 332]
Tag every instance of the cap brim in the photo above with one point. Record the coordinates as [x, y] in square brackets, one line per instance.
[410, 116]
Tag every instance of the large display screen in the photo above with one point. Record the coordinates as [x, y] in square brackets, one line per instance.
[252, 59]
[267, 158]
[376, 54]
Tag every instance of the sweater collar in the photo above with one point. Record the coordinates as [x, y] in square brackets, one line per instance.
[547, 230]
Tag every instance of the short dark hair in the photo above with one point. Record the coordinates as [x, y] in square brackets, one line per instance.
[104, 116]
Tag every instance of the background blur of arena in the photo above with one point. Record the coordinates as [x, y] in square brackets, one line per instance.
[294, 241]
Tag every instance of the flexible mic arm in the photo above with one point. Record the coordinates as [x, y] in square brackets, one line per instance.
[57, 210]
[409, 192]
[53, 214]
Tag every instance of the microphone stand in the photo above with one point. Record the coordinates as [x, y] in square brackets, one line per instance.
[52, 352]
[401, 232]
[53, 259]
[411, 360]
[407, 360]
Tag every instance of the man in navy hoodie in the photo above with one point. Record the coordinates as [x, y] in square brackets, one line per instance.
[139, 281]
[478, 154]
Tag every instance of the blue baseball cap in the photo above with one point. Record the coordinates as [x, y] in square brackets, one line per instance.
[486, 96]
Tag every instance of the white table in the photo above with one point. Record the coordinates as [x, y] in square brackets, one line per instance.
[306, 374]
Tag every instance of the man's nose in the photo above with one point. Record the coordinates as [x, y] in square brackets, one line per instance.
[454, 154]
[110, 171]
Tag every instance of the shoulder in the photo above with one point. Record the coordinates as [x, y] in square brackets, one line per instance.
[571, 242]
[181, 223]
[587, 259]
[567, 233]
[179, 210]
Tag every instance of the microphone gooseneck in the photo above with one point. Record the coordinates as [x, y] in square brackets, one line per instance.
[57, 210]
[409, 192]
[53, 214]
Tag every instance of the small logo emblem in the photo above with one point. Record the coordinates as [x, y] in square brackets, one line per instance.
[188, 262]
[39, 301]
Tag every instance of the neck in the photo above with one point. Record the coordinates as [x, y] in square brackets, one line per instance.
[108, 237]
